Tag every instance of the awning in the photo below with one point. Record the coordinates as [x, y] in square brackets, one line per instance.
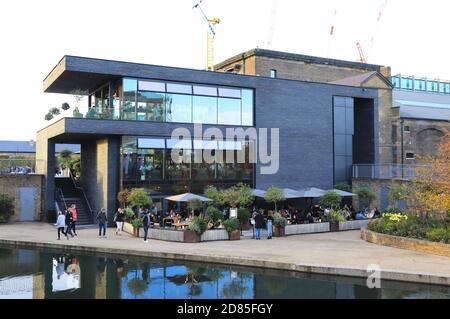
[341, 192]
[291, 193]
[258, 192]
[311, 192]
[187, 197]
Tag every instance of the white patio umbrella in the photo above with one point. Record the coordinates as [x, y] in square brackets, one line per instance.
[341, 192]
[187, 197]
[311, 192]
[258, 192]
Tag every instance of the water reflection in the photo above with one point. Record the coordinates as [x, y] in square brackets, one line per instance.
[43, 274]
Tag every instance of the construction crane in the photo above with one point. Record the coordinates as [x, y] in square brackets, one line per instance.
[273, 15]
[210, 34]
[331, 33]
[362, 58]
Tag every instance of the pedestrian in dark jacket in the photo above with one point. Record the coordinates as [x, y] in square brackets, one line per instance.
[259, 224]
[145, 223]
[69, 219]
[102, 220]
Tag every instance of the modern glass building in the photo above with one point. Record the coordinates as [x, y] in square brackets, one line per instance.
[314, 131]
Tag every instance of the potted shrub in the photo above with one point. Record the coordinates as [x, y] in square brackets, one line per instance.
[334, 218]
[279, 225]
[137, 224]
[232, 227]
[244, 217]
[196, 227]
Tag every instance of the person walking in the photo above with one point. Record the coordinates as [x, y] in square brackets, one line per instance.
[68, 223]
[61, 224]
[119, 218]
[259, 224]
[102, 220]
[74, 218]
[269, 224]
[145, 223]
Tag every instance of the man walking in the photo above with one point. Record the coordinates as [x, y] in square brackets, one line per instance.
[146, 223]
[102, 220]
[259, 224]
[74, 218]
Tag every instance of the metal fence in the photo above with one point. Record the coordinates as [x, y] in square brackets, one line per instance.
[386, 171]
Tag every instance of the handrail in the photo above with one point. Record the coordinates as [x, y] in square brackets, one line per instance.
[80, 189]
[60, 193]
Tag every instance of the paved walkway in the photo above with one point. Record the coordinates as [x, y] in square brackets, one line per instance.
[342, 253]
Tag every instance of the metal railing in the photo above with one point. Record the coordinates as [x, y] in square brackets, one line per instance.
[385, 171]
[81, 189]
[60, 196]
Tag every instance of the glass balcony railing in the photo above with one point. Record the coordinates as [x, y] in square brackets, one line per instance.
[101, 113]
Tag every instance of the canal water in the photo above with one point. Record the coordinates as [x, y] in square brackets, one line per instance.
[29, 273]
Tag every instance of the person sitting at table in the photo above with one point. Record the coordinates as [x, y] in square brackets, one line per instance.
[360, 216]
[310, 218]
[370, 214]
[377, 213]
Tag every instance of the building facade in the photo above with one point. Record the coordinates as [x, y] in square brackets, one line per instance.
[126, 137]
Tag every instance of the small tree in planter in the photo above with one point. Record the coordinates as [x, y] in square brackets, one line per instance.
[129, 215]
[343, 187]
[137, 224]
[279, 225]
[331, 200]
[232, 227]
[365, 196]
[196, 227]
[214, 215]
[139, 197]
[244, 216]
[334, 218]
[274, 195]
[216, 196]
[122, 197]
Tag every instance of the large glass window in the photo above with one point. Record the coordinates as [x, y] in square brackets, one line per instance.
[129, 99]
[204, 109]
[444, 87]
[151, 106]
[229, 111]
[247, 107]
[432, 86]
[396, 81]
[179, 108]
[406, 83]
[419, 85]
[176, 171]
[150, 165]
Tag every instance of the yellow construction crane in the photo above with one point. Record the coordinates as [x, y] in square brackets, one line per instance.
[210, 34]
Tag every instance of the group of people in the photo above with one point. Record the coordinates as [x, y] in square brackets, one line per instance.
[260, 222]
[66, 222]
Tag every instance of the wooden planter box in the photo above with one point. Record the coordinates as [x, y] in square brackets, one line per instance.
[334, 226]
[245, 226]
[234, 235]
[278, 231]
[136, 232]
[190, 236]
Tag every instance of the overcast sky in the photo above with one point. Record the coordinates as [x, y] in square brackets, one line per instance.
[411, 37]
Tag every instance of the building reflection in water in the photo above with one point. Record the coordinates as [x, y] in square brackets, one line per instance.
[36, 274]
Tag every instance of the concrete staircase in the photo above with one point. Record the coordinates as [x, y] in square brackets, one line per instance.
[73, 195]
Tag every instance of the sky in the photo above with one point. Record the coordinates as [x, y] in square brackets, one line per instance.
[411, 37]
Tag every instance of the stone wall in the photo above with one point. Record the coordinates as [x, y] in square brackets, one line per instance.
[10, 184]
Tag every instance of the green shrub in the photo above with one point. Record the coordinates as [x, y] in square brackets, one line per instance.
[243, 215]
[137, 222]
[331, 200]
[213, 214]
[365, 196]
[279, 220]
[441, 234]
[138, 196]
[231, 224]
[198, 224]
[274, 195]
[392, 210]
[334, 216]
[343, 187]
[6, 207]
[129, 215]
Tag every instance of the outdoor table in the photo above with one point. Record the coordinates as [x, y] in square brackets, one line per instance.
[180, 225]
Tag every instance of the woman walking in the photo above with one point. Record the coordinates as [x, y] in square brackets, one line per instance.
[69, 223]
[119, 218]
[102, 220]
[61, 224]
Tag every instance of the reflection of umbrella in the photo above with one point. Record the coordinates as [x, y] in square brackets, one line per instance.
[341, 193]
[186, 197]
[311, 192]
